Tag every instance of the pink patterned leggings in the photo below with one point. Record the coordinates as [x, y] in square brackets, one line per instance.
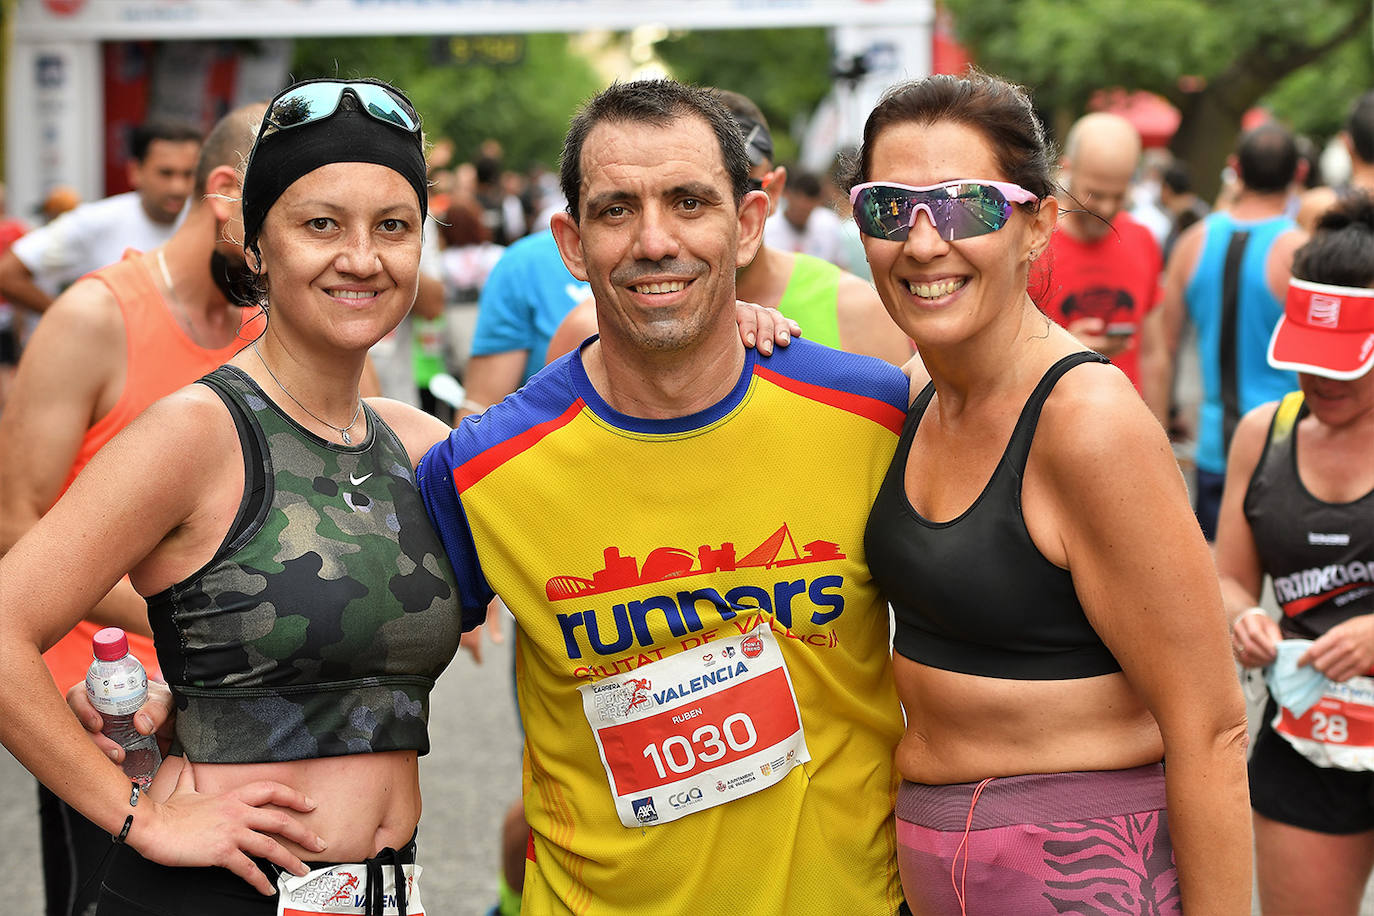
[1088, 843]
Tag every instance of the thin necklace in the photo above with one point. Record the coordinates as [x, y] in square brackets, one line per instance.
[341, 430]
[173, 300]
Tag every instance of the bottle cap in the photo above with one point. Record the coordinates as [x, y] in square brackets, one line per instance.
[110, 644]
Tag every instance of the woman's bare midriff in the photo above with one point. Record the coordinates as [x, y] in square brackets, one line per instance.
[964, 728]
[366, 802]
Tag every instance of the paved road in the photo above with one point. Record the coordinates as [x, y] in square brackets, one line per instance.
[468, 779]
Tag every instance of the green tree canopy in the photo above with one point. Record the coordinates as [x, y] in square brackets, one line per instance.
[521, 92]
[1213, 59]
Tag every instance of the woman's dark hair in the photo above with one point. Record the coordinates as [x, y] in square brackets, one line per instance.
[998, 110]
[1341, 250]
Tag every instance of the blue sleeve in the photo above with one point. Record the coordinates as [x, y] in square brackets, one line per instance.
[435, 478]
[505, 312]
[854, 373]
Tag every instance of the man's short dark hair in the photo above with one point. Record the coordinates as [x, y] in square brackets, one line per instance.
[171, 131]
[1178, 178]
[1360, 127]
[658, 103]
[807, 184]
[1267, 158]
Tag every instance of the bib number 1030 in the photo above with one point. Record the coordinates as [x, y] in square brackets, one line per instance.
[698, 729]
[708, 744]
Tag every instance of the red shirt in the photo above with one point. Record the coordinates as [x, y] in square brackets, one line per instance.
[1115, 278]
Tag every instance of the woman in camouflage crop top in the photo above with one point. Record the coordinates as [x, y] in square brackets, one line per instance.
[301, 603]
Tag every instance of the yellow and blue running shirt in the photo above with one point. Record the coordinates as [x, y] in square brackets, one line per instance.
[622, 544]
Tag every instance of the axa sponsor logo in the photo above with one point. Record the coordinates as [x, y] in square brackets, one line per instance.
[644, 809]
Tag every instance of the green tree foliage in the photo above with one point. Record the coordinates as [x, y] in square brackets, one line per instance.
[1316, 99]
[785, 71]
[524, 103]
[1212, 59]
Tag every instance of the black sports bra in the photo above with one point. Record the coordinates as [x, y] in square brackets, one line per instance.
[974, 594]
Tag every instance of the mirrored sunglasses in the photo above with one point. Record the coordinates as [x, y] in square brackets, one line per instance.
[958, 209]
[317, 101]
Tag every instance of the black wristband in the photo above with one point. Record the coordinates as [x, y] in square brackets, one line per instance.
[129, 821]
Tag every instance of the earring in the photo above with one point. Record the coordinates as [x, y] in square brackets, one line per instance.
[1034, 254]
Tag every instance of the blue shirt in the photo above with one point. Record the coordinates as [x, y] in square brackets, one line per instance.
[1257, 312]
[527, 295]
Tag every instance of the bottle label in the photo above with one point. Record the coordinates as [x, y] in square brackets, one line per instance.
[116, 688]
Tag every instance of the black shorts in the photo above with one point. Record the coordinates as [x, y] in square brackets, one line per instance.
[136, 887]
[1287, 787]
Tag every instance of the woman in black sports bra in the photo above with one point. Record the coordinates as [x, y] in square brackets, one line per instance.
[1059, 624]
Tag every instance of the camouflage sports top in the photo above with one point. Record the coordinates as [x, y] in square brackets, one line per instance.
[321, 623]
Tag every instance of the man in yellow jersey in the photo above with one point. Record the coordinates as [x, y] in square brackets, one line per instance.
[703, 669]
[833, 307]
[108, 347]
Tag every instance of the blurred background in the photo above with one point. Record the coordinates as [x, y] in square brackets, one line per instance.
[503, 76]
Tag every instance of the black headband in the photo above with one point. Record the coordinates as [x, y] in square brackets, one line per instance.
[280, 157]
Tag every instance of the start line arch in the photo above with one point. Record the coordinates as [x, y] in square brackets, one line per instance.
[57, 113]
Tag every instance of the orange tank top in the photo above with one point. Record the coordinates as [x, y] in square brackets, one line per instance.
[159, 359]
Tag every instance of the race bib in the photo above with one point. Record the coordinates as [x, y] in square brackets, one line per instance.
[343, 889]
[696, 729]
[1338, 731]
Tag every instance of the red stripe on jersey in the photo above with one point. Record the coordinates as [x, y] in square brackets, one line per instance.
[483, 463]
[879, 412]
[1296, 607]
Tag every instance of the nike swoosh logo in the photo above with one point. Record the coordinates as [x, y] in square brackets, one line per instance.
[357, 480]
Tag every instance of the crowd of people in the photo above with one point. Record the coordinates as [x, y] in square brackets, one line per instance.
[975, 655]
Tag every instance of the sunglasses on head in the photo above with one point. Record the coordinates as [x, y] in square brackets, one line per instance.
[958, 209]
[316, 101]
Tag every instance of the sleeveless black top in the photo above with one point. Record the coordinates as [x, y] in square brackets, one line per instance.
[974, 594]
[1319, 555]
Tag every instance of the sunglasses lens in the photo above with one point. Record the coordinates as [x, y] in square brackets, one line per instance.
[959, 211]
[883, 212]
[973, 210]
[315, 101]
[304, 104]
[384, 106]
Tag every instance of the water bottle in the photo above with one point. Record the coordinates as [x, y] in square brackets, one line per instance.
[116, 685]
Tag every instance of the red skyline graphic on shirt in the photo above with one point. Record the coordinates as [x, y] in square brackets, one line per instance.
[663, 563]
